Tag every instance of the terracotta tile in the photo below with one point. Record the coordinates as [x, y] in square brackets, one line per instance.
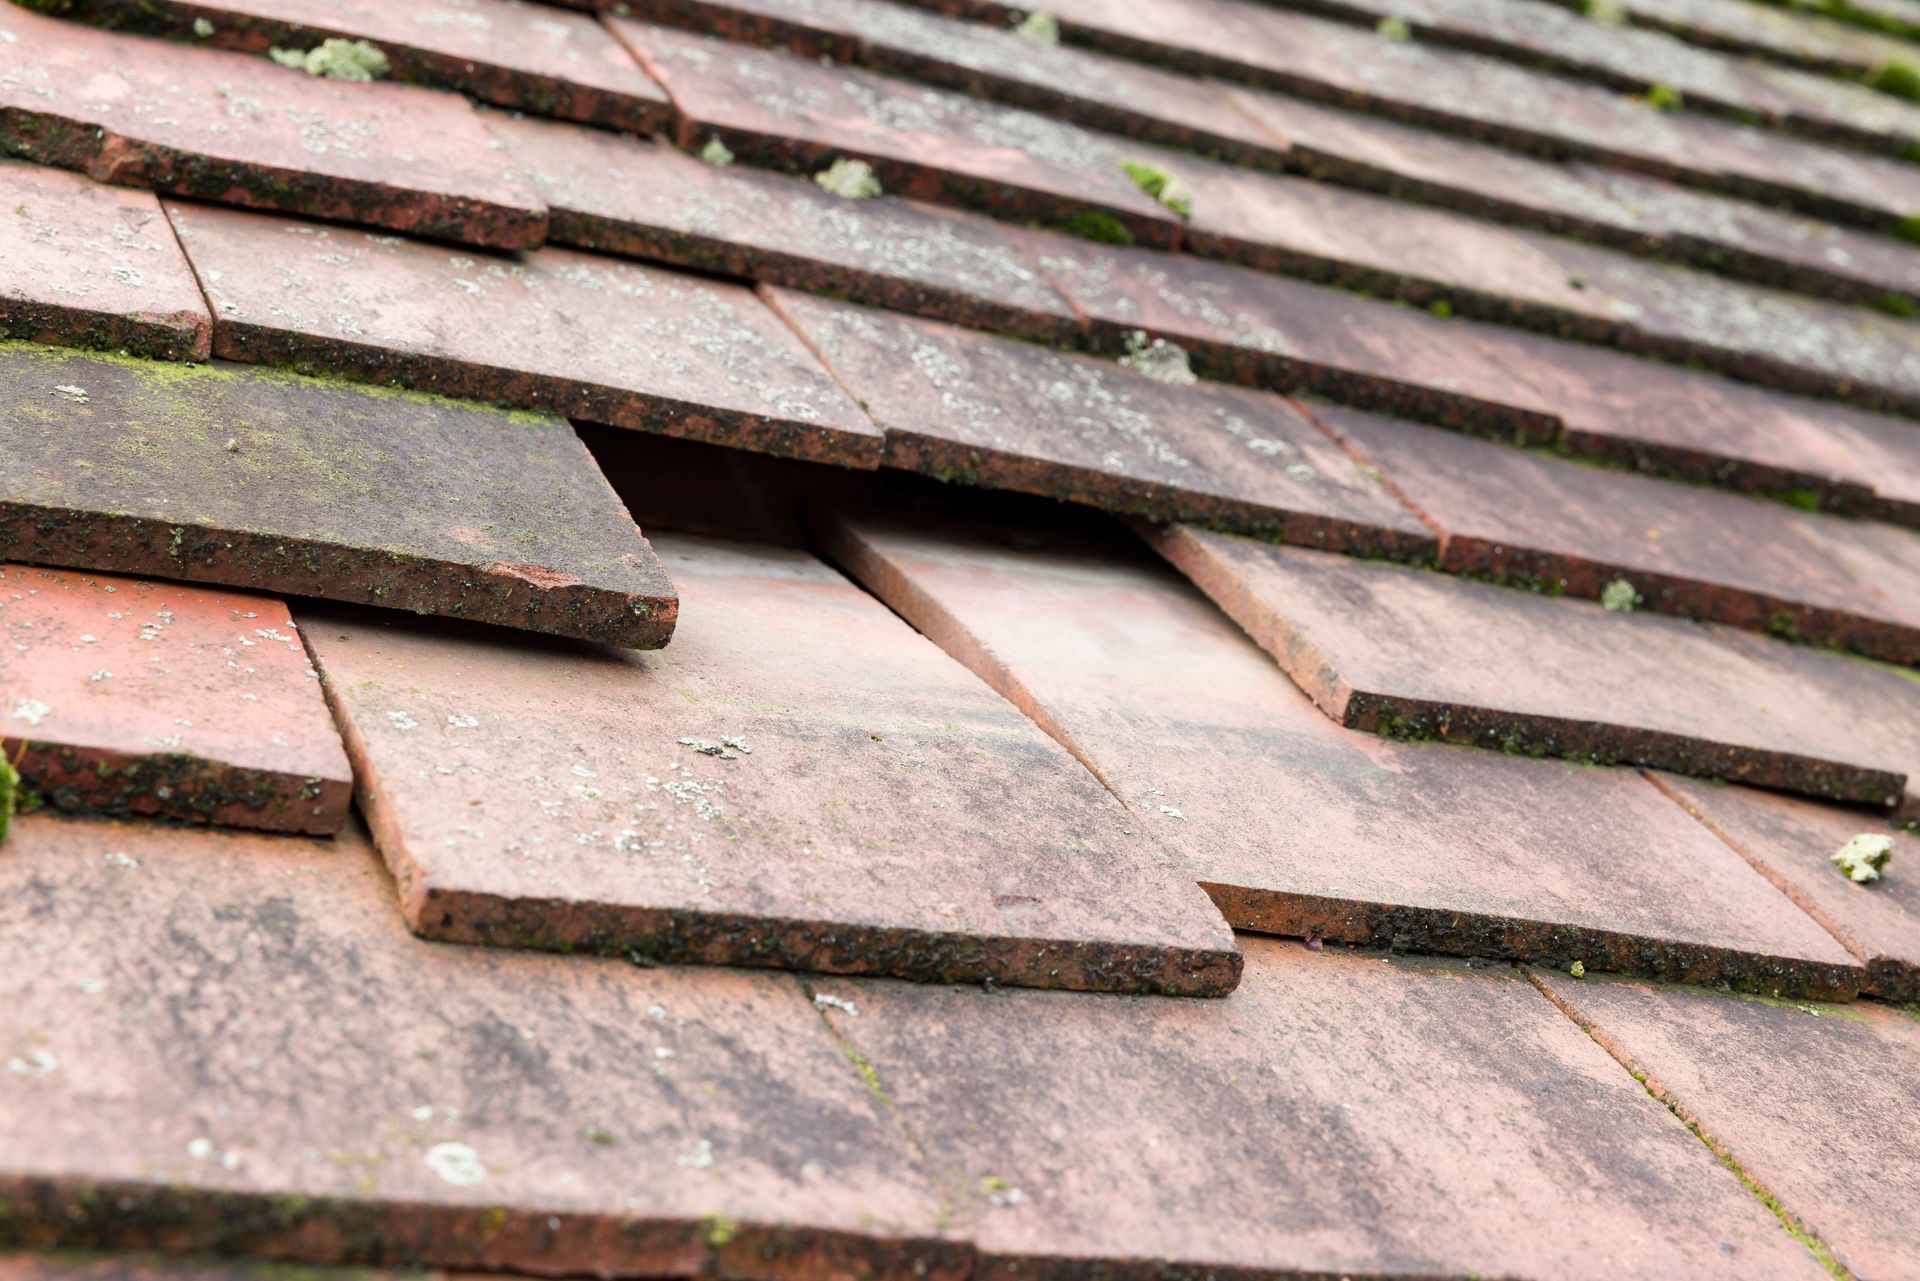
[931, 144]
[93, 266]
[179, 702]
[1795, 39]
[506, 52]
[801, 782]
[241, 130]
[1093, 89]
[1339, 1116]
[1792, 842]
[78, 1266]
[1541, 675]
[648, 200]
[1489, 855]
[229, 1044]
[572, 333]
[1824, 181]
[1797, 1095]
[962, 407]
[1552, 524]
[140, 467]
[1887, 450]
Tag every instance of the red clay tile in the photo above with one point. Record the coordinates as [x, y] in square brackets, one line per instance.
[156, 699]
[93, 266]
[1792, 843]
[1488, 855]
[1808, 1100]
[932, 144]
[799, 782]
[512, 54]
[1551, 524]
[556, 330]
[1340, 1116]
[78, 1266]
[970, 408]
[241, 130]
[1411, 653]
[1801, 39]
[620, 195]
[229, 1044]
[263, 479]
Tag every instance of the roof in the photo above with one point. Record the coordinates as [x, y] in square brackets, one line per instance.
[1271, 639]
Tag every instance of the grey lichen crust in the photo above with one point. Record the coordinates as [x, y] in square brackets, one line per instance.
[1864, 857]
[336, 59]
[849, 179]
[1158, 359]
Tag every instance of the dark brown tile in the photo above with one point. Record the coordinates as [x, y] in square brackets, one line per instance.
[267, 480]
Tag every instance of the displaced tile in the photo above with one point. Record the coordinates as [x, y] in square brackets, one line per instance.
[93, 266]
[1792, 843]
[649, 200]
[1354, 839]
[179, 702]
[1553, 525]
[1415, 654]
[1805, 1099]
[241, 130]
[264, 479]
[932, 144]
[801, 782]
[966, 407]
[1340, 1116]
[229, 1044]
[555, 330]
[506, 52]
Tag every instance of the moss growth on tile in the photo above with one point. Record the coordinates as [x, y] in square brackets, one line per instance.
[1393, 27]
[10, 790]
[1096, 224]
[336, 59]
[1578, 969]
[202, 28]
[1864, 858]
[1807, 500]
[716, 153]
[849, 179]
[1663, 97]
[1897, 79]
[1896, 305]
[1039, 27]
[867, 1074]
[1161, 185]
[1158, 359]
[1907, 229]
[720, 1230]
[1442, 308]
[1606, 13]
[1619, 597]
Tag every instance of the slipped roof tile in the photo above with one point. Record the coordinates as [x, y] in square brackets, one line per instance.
[229, 127]
[966, 406]
[799, 781]
[1806, 1099]
[258, 478]
[1351, 838]
[93, 266]
[1414, 653]
[1339, 1115]
[1792, 842]
[153, 698]
[234, 1037]
[649, 200]
[587, 336]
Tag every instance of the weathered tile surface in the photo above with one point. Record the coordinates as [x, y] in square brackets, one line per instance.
[263, 479]
[927, 143]
[230, 1044]
[1339, 1116]
[241, 130]
[1793, 842]
[1808, 1099]
[556, 330]
[1296, 826]
[94, 266]
[506, 52]
[649, 200]
[799, 781]
[1412, 653]
[81, 1266]
[1553, 524]
[967, 407]
[141, 698]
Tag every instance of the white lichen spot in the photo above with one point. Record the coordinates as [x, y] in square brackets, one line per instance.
[823, 1001]
[402, 721]
[1171, 812]
[101, 675]
[705, 748]
[1158, 359]
[120, 859]
[1039, 27]
[463, 722]
[76, 394]
[849, 179]
[336, 59]
[716, 153]
[699, 1158]
[1864, 857]
[31, 710]
[737, 743]
[200, 1149]
[36, 1062]
[457, 1163]
[1619, 597]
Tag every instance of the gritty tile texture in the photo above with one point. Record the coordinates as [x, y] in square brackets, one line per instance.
[1296, 826]
[132, 697]
[229, 1044]
[1347, 1115]
[557, 330]
[1805, 1098]
[81, 1266]
[799, 781]
[525, 56]
[649, 200]
[257, 478]
[242, 130]
[963, 406]
[1412, 653]
[91, 266]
